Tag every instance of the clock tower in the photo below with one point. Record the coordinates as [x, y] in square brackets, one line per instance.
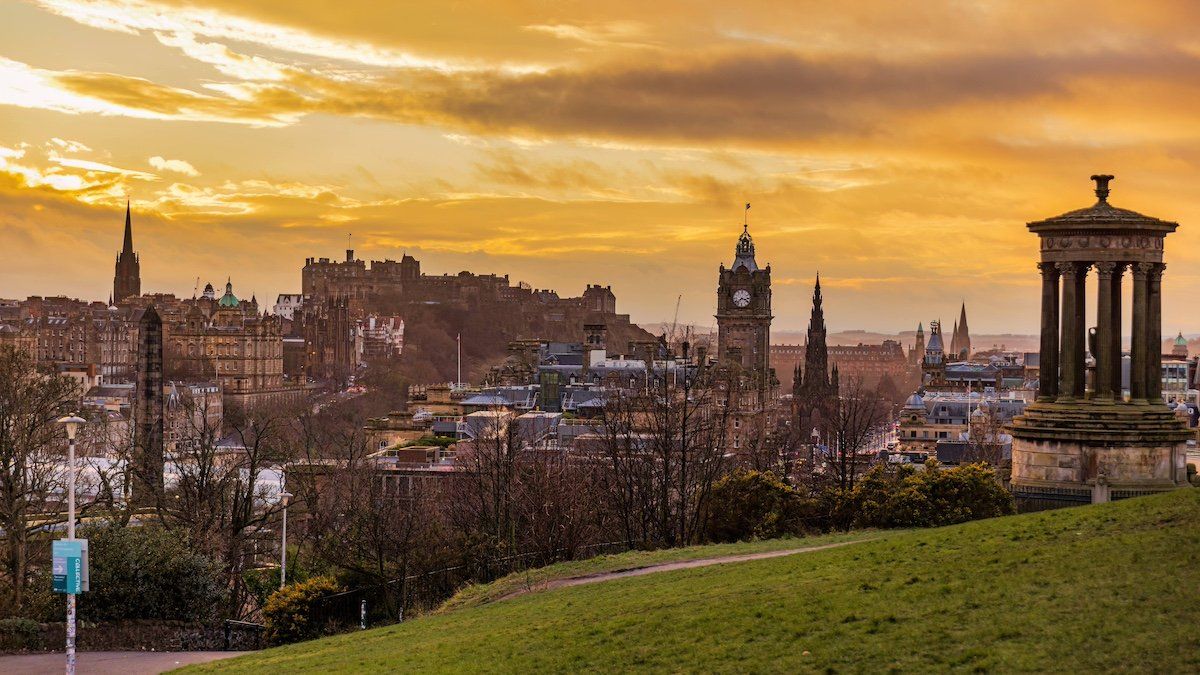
[744, 313]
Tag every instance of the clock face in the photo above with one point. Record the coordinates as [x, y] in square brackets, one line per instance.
[741, 298]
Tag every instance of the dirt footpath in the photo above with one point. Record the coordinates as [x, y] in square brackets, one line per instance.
[600, 577]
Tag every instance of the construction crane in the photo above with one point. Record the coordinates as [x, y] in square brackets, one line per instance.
[675, 321]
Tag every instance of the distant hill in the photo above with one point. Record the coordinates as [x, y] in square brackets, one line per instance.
[1096, 588]
[982, 341]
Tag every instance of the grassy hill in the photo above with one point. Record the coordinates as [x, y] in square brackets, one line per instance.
[1110, 587]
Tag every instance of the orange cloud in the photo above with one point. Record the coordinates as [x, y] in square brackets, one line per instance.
[898, 148]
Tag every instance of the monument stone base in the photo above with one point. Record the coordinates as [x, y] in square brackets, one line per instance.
[1067, 454]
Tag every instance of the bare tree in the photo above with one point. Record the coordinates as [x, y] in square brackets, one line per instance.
[377, 525]
[482, 508]
[218, 495]
[986, 441]
[557, 504]
[665, 447]
[858, 419]
[31, 457]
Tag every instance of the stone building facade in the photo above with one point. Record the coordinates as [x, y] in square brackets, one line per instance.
[227, 341]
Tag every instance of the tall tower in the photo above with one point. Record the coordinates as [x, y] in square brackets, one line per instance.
[815, 393]
[147, 464]
[815, 384]
[127, 280]
[960, 342]
[744, 312]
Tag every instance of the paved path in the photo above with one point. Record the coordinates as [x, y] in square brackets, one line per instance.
[108, 663]
[600, 577]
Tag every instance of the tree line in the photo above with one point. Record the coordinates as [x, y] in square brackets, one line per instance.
[657, 467]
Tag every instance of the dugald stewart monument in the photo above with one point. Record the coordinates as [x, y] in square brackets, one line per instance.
[1083, 440]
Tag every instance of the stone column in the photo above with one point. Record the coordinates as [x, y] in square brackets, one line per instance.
[1104, 332]
[1118, 271]
[1138, 351]
[1048, 364]
[1071, 344]
[1081, 330]
[1154, 363]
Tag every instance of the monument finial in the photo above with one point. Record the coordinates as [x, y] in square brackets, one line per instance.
[1102, 186]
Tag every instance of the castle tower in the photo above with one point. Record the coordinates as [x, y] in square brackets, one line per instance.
[127, 279]
[744, 312]
[1076, 444]
[147, 464]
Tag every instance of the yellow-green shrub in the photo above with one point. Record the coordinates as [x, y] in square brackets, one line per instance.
[293, 613]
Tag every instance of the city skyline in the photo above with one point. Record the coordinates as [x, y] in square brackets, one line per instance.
[593, 145]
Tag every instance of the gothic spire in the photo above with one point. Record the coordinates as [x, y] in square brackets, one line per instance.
[817, 320]
[964, 334]
[816, 353]
[127, 247]
[127, 277]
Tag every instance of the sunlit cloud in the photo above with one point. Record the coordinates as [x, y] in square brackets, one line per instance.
[101, 167]
[897, 148]
[134, 16]
[173, 165]
[608, 34]
[69, 146]
[106, 94]
[223, 58]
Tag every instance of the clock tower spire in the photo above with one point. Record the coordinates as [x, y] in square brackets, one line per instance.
[744, 312]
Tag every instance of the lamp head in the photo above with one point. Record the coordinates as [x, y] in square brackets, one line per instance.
[72, 423]
[285, 497]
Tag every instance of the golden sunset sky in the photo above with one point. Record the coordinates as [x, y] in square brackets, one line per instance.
[898, 148]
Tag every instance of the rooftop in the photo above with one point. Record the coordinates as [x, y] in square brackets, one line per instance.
[1102, 215]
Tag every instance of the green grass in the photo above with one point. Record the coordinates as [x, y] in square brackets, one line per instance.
[524, 581]
[1100, 588]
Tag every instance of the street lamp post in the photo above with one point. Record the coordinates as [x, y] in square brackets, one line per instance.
[284, 498]
[72, 424]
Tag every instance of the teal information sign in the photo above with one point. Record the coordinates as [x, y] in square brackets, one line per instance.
[67, 566]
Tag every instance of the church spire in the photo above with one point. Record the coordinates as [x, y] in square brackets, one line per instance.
[963, 348]
[127, 278]
[127, 247]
